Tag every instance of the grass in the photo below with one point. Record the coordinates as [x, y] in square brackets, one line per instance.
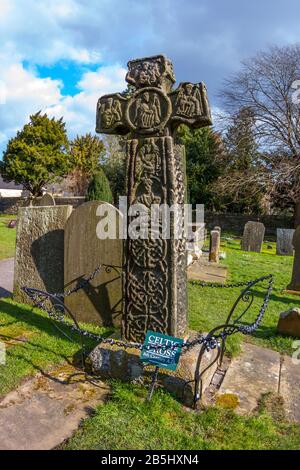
[210, 307]
[128, 422]
[7, 238]
[33, 344]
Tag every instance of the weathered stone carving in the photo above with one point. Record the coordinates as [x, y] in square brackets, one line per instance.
[155, 279]
[156, 71]
[110, 114]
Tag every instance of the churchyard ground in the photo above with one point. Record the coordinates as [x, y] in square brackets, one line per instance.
[33, 345]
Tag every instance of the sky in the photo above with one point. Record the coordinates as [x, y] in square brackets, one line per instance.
[60, 56]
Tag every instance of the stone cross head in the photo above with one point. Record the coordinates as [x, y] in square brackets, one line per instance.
[153, 108]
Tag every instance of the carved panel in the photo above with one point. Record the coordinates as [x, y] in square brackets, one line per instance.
[110, 114]
[190, 105]
[155, 71]
[155, 276]
[148, 111]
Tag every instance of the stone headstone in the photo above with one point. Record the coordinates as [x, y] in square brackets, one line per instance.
[39, 261]
[284, 242]
[155, 294]
[100, 302]
[214, 246]
[253, 236]
[289, 322]
[217, 227]
[295, 282]
[46, 200]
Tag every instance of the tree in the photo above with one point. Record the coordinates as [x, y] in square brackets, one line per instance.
[242, 162]
[38, 155]
[99, 189]
[114, 166]
[87, 154]
[203, 163]
[267, 85]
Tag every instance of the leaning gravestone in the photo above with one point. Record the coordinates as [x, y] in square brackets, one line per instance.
[39, 260]
[284, 242]
[100, 301]
[294, 285]
[155, 295]
[253, 236]
[46, 200]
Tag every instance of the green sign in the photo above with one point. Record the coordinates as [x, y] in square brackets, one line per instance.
[161, 350]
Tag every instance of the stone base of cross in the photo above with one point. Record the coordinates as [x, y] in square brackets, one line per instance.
[155, 296]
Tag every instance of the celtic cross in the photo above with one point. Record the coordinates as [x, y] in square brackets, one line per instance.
[155, 296]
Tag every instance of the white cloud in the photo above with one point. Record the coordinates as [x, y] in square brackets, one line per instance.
[26, 93]
[79, 111]
[41, 31]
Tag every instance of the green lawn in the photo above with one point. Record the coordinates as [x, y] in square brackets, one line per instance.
[209, 307]
[7, 238]
[128, 422]
[33, 343]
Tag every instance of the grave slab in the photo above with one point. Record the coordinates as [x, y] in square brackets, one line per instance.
[46, 410]
[289, 388]
[254, 372]
[203, 270]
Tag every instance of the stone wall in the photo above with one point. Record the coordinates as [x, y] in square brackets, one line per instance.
[228, 222]
[235, 222]
[10, 205]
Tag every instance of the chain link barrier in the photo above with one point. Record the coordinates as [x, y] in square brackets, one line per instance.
[57, 313]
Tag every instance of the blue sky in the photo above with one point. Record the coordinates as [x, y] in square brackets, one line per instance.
[61, 55]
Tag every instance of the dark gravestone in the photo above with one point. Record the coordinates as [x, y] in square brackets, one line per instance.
[253, 236]
[155, 277]
[294, 285]
[46, 200]
[39, 260]
[284, 242]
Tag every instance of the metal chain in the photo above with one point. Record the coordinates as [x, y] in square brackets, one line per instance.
[210, 342]
[218, 285]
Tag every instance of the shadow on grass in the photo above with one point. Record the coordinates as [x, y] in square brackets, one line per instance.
[40, 322]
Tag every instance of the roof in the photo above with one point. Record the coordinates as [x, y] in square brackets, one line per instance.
[10, 185]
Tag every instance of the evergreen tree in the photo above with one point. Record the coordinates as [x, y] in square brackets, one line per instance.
[38, 155]
[87, 154]
[99, 188]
